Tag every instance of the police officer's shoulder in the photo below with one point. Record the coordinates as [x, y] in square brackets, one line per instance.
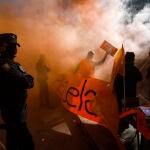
[17, 63]
[6, 67]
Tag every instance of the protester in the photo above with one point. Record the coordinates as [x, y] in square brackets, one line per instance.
[14, 82]
[132, 75]
[86, 66]
[126, 87]
[42, 77]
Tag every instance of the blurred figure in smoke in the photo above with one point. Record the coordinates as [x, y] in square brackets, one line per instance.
[86, 66]
[14, 82]
[42, 77]
[132, 75]
[127, 87]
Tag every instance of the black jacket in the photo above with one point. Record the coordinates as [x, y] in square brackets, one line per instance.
[14, 83]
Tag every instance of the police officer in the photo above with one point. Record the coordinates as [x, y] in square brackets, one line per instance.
[14, 82]
[86, 66]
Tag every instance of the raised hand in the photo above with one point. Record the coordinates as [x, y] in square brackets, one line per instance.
[109, 51]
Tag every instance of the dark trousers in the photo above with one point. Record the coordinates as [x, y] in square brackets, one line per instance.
[18, 137]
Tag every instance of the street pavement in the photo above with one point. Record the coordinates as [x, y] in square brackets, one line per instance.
[58, 129]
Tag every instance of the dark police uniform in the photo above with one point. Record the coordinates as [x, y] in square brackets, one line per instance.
[14, 82]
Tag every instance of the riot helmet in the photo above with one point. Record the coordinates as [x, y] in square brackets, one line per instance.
[8, 45]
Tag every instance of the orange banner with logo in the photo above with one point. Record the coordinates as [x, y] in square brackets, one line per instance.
[92, 99]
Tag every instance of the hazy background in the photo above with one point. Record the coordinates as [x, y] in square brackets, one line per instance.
[64, 30]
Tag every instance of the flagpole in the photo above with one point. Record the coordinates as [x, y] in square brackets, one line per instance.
[124, 85]
[124, 97]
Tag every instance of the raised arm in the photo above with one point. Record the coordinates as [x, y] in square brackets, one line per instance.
[103, 59]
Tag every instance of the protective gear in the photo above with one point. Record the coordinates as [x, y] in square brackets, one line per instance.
[8, 45]
[9, 38]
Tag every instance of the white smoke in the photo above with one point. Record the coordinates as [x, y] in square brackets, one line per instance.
[65, 30]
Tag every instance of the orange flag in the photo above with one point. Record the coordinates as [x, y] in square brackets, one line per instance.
[121, 69]
[93, 99]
